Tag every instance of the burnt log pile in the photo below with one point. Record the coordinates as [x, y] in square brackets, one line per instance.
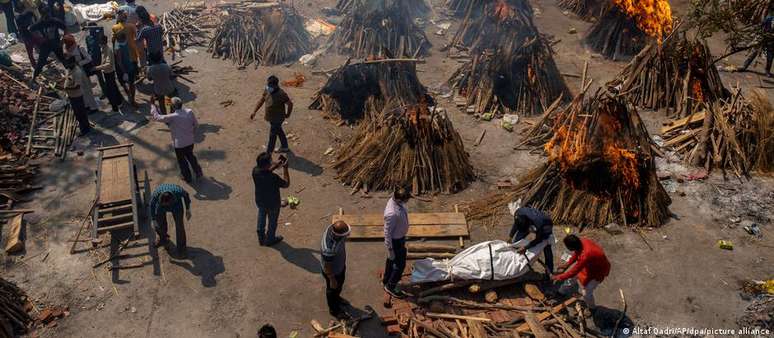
[626, 27]
[375, 28]
[678, 76]
[187, 26]
[600, 169]
[417, 8]
[15, 320]
[519, 78]
[488, 25]
[349, 89]
[734, 135]
[401, 145]
[587, 10]
[260, 33]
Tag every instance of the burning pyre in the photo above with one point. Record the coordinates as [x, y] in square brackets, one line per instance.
[588, 10]
[626, 26]
[352, 86]
[490, 24]
[517, 78]
[260, 34]
[379, 28]
[678, 75]
[401, 145]
[415, 7]
[600, 169]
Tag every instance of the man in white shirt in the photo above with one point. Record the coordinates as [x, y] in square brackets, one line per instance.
[107, 70]
[72, 85]
[182, 124]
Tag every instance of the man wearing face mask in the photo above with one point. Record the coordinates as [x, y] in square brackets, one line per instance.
[278, 108]
[396, 226]
[334, 265]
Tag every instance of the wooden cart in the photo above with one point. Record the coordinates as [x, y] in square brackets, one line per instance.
[118, 201]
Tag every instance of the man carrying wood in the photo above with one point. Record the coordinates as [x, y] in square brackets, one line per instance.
[396, 226]
[334, 265]
[591, 266]
[528, 220]
[267, 195]
[170, 198]
[278, 108]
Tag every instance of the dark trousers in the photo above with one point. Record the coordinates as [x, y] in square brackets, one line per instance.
[46, 49]
[393, 268]
[769, 58]
[274, 132]
[162, 229]
[548, 252]
[162, 103]
[110, 89]
[333, 296]
[270, 234]
[60, 12]
[81, 113]
[186, 158]
[10, 21]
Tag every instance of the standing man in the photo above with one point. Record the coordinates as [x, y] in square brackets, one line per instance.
[182, 124]
[591, 266]
[25, 17]
[72, 85]
[170, 198]
[160, 75]
[396, 226]
[528, 220]
[130, 8]
[84, 62]
[334, 265]
[267, 196]
[767, 45]
[150, 36]
[277, 101]
[49, 28]
[124, 34]
[10, 22]
[107, 71]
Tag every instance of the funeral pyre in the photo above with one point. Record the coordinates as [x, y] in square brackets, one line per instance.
[488, 25]
[588, 10]
[626, 26]
[415, 7]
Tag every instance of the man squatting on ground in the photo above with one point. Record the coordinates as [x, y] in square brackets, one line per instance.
[590, 266]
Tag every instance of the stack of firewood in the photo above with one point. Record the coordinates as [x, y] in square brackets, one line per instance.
[380, 28]
[520, 78]
[352, 85]
[405, 146]
[260, 34]
[625, 27]
[735, 135]
[601, 169]
[588, 10]
[488, 25]
[14, 319]
[186, 26]
[678, 75]
[415, 7]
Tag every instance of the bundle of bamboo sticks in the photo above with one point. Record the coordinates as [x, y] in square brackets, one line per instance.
[405, 146]
[380, 28]
[601, 169]
[679, 75]
[261, 35]
[517, 79]
[14, 319]
[735, 135]
[415, 7]
[186, 26]
[587, 10]
[351, 86]
[491, 24]
[616, 35]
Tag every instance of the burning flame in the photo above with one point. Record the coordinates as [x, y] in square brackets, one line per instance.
[654, 17]
[503, 10]
[698, 94]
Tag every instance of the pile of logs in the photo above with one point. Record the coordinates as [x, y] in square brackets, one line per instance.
[267, 34]
[735, 135]
[750, 12]
[616, 35]
[488, 25]
[186, 26]
[352, 85]
[601, 169]
[517, 79]
[677, 75]
[14, 318]
[587, 10]
[415, 7]
[380, 28]
[405, 146]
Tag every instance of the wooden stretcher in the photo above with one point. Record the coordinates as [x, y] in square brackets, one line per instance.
[421, 225]
[117, 201]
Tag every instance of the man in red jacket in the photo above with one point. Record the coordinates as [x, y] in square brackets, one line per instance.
[591, 266]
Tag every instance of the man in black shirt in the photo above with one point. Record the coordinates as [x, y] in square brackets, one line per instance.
[49, 28]
[528, 220]
[267, 195]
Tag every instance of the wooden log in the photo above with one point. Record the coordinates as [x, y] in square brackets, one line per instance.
[544, 315]
[534, 325]
[32, 124]
[14, 243]
[434, 255]
[430, 247]
[451, 316]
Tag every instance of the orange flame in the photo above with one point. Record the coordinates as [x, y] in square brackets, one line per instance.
[698, 94]
[654, 17]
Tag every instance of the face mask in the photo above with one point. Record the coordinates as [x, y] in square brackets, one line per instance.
[270, 89]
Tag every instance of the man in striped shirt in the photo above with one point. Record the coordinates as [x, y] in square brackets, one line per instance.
[173, 199]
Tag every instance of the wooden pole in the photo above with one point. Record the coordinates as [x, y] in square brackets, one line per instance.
[32, 125]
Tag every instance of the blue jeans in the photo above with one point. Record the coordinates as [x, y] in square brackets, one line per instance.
[272, 214]
[274, 132]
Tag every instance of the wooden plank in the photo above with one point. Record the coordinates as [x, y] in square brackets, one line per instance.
[544, 315]
[126, 225]
[114, 180]
[682, 138]
[126, 145]
[694, 118]
[534, 325]
[414, 219]
[415, 231]
[14, 243]
[451, 316]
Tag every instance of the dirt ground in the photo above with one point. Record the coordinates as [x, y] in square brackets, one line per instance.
[229, 285]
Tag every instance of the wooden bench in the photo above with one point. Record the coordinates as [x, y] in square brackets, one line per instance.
[421, 225]
[117, 203]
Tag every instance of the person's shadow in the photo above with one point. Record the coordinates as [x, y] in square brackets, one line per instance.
[605, 320]
[301, 257]
[301, 164]
[202, 263]
[210, 189]
[205, 128]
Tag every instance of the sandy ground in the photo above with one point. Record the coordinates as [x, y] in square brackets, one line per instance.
[229, 285]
